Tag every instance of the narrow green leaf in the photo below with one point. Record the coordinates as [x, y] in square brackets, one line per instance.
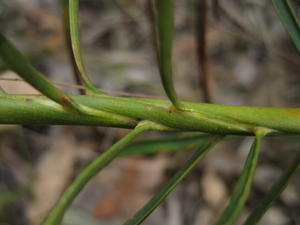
[64, 5]
[242, 189]
[277, 188]
[289, 19]
[21, 65]
[164, 23]
[293, 12]
[143, 213]
[74, 32]
[164, 144]
[92, 169]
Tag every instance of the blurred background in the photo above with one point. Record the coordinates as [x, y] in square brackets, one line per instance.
[250, 61]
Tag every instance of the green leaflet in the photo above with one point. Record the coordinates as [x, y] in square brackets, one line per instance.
[164, 22]
[164, 144]
[243, 186]
[56, 214]
[74, 33]
[277, 188]
[144, 212]
[289, 19]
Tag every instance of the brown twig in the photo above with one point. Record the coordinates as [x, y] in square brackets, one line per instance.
[201, 28]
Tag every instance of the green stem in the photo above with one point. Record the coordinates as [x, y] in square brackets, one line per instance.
[64, 5]
[208, 118]
[92, 169]
[274, 192]
[293, 12]
[143, 213]
[242, 189]
[289, 19]
[74, 34]
[21, 65]
[164, 22]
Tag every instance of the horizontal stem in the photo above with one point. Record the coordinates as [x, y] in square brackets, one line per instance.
[210, 118]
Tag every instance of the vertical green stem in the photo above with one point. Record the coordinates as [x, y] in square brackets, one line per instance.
[74, 32]
[242, 189]
[56, 214]
[64, 5]
[164, 23]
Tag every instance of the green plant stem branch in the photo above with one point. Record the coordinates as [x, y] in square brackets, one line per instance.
[21, 65]
[289, 19]
[143, 213]
[277, 188]
[164, 22]
[64, 5]
[74, 32]
[291, 4]
[208, 118]
[243, 186]
[92, 169]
